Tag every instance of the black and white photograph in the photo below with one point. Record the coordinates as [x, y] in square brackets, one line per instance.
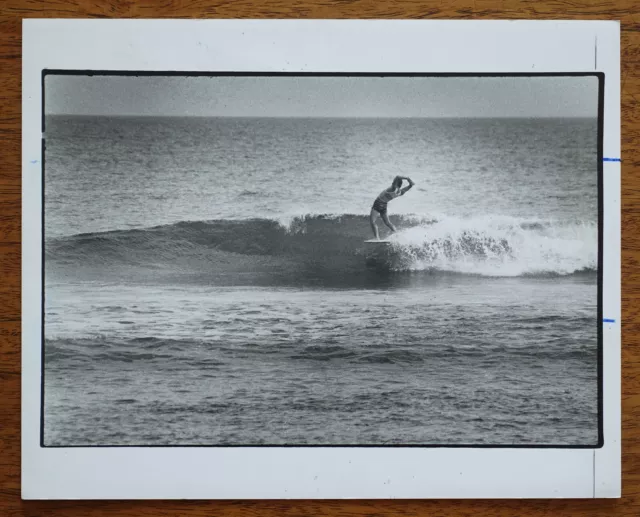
[321, 260]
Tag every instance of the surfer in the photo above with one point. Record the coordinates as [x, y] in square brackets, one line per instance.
[380, 204]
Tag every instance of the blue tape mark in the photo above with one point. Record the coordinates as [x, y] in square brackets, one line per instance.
[612, 159]
[608, 320]
[34, 161]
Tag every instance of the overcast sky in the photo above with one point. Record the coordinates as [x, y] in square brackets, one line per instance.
[323, 96]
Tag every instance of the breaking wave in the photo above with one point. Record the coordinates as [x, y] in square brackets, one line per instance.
[334, 244]
[499, 246]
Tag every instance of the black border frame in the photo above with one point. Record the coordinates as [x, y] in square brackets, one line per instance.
[600, 145]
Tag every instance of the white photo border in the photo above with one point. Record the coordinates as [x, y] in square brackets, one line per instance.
[348, 47]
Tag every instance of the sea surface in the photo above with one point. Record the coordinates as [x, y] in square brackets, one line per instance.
[207, 282]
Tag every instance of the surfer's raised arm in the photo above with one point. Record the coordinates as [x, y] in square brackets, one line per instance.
[411, 184]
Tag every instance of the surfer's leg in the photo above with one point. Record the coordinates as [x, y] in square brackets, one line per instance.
[385, 218]
[374, 227]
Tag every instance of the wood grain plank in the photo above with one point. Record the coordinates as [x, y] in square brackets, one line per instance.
[11, 13]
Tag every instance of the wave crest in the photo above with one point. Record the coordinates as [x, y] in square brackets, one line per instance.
[334, 245]
[499, 246]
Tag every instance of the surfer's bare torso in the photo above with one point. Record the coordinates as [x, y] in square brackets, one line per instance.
[380, 204]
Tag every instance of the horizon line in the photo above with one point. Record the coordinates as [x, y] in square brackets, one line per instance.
[333, 117]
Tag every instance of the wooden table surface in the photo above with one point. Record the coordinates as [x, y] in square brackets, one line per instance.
[11, 14]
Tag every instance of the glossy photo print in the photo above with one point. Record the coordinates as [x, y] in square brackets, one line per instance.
[304, 259]
[321, 260]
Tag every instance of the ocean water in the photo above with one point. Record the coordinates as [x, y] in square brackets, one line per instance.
[207, 282]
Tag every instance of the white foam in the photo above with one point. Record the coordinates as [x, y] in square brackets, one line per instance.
[499, 246]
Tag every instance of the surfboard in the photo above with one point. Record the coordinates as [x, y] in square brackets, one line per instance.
[374, 241]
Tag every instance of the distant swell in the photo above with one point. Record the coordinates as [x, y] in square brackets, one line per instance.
[323, 245]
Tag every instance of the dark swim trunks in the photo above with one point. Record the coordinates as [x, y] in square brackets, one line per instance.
[380, 206]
